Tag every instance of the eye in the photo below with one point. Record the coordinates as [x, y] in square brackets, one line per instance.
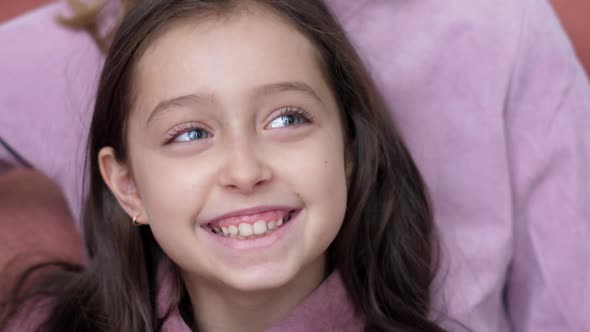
[187, 133]
[290, 116]
[193, 135]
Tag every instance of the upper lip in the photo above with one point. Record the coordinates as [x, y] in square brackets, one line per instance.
[248, 211]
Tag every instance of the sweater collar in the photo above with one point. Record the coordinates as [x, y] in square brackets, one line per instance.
[328, 308]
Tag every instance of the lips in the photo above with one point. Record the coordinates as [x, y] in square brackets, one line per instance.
[244, 225]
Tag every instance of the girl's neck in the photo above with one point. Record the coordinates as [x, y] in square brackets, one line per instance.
[219, 308]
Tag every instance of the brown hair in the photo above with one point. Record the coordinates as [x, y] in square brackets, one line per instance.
[385, 249]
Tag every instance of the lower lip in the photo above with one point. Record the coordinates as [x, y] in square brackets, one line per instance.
[256, 243]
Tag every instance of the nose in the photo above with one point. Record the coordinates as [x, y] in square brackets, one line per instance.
[244, 169]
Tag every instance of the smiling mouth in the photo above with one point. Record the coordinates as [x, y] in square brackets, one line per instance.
[249, 231]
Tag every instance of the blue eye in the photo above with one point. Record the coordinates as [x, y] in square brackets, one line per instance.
[193, 134]
[285, 121]
[290, 116]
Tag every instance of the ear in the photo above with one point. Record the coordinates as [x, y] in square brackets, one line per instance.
[118, 178]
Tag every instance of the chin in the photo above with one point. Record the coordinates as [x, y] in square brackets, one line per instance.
[259, 278]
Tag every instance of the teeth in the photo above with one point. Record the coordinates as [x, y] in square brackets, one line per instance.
[245, 229]
[259, 227]
[250, 231]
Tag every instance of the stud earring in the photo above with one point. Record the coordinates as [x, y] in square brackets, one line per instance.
[135, 222]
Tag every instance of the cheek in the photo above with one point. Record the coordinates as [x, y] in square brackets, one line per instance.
[170, 189]
[318, 175]
[324, 178]
[327, 198]
[173, 192]
[326, 169]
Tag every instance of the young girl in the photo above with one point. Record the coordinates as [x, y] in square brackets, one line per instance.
[244, 176]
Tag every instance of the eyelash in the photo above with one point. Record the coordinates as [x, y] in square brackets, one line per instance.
[306, 117]
[181, 129]
[298, 111]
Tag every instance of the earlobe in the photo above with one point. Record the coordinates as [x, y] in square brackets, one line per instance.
[119, 180]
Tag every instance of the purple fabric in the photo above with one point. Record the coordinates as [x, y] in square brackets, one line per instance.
[494, 106]
[328, 308]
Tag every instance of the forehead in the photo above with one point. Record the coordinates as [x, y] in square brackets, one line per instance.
[226, 55]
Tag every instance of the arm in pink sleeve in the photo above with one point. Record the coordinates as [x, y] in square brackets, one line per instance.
[548, 140]
[47, 82]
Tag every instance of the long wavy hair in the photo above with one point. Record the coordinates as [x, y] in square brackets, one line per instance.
[386, 249]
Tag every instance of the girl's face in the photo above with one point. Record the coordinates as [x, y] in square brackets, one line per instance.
[236, 152]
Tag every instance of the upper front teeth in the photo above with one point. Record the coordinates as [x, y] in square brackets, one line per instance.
[244, 230]
[259, 227]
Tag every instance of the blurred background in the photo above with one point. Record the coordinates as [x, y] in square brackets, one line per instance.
[574, 14]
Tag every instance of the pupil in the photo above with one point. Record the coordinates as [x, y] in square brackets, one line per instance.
[195, 134]
[289, 120]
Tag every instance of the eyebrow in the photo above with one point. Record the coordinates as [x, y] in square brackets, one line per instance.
[274, 88]
[206, 98]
